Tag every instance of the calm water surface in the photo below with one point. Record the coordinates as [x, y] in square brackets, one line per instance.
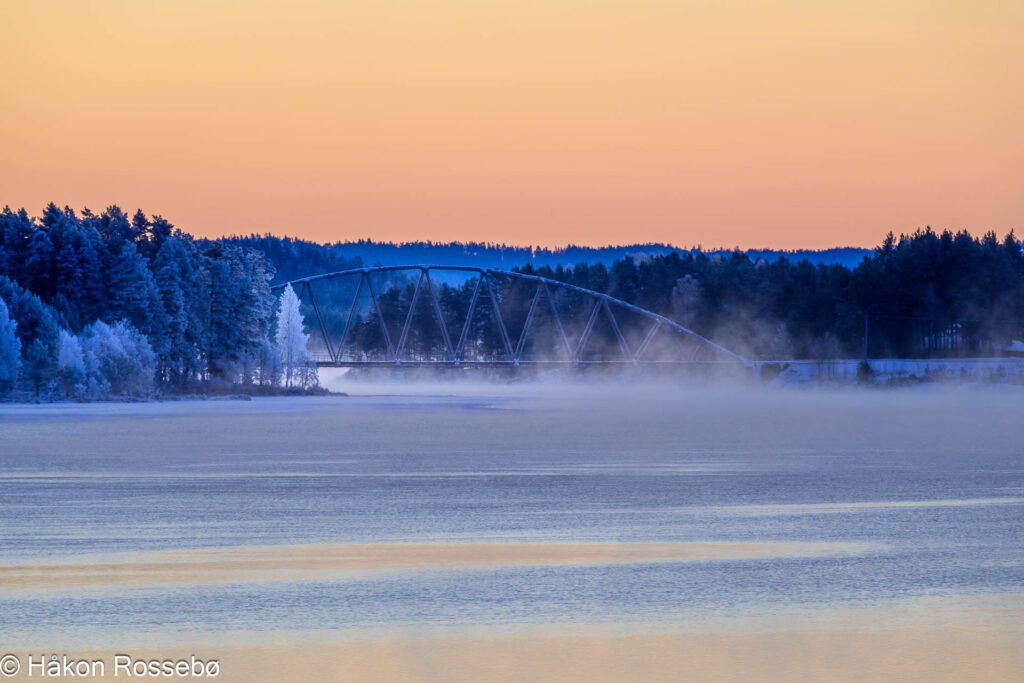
[932, 479]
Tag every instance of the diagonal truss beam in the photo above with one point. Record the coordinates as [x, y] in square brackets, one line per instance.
[440, 317]
[351, 318]
[648, 338]
[320, 319]
[618, 331]
[558, 322]
[521, 344]
[408, 319]
[585, 337]
[497, 316]
[466, 326]
[380, 315]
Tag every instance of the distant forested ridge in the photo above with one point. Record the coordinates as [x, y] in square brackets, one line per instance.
[94, 305]
[295, 258]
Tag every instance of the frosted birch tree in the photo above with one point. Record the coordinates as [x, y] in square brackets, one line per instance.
[71, 365]
[296, 360]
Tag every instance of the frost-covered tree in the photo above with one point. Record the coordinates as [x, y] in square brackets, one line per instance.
[269, 364]
[71, 365]
[118, 360]
[292, 341]
[687, 298]
[10, 350]
[37, 330]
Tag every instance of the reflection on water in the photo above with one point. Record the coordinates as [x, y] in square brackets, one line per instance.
[931, 481]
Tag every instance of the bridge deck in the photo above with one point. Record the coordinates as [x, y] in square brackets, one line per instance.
[521, 363]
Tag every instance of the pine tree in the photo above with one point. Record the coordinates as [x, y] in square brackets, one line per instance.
[92, 299]
[69, 285]
[170, 271]
[241, 309]
[77, 269]
[134, 296]
[140, 229]
[256, 310]
[223, 342]
[157, 231]
[115, 227]
[39, 265]
[15, 231]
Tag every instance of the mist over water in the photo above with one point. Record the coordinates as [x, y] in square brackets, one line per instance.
[927, 483]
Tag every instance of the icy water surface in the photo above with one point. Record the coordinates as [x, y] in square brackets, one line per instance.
[927, 486]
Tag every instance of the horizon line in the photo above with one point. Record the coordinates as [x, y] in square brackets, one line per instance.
[532, 247]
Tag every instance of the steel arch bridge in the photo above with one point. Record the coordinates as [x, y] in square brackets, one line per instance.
[512, 301]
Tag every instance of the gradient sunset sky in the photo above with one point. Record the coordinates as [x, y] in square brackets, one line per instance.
[783, 124]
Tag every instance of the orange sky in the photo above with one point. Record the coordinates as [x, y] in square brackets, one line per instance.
[788, 124]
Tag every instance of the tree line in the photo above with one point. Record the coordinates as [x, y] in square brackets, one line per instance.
[295, 258]
[922, 294]
[103, 304]
[94, 304]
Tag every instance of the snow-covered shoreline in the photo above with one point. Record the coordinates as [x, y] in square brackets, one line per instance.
[896, 371]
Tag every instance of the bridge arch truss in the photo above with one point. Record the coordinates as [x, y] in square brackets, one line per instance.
[631, 331]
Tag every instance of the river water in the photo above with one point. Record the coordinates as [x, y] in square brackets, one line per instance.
[922, 490]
